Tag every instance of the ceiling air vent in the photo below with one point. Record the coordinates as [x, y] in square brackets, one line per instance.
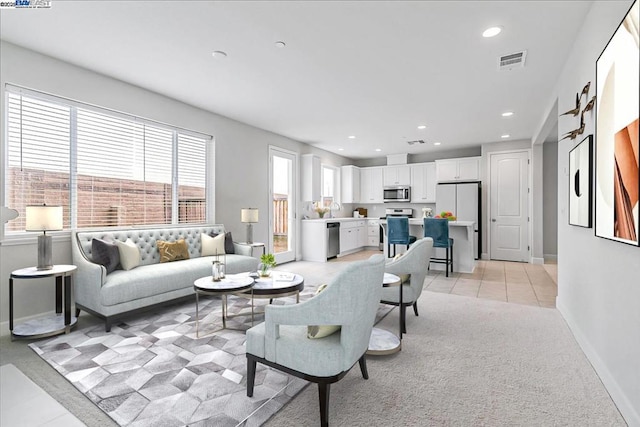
[417, 141]
[511, 61]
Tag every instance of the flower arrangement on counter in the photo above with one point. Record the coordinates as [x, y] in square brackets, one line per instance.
[448, 215]
[320, 210]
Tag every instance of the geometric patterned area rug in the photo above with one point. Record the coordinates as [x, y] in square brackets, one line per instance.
[152, 370]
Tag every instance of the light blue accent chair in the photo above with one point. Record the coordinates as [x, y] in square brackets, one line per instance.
[438, 230]
[398, 233]
[350, 300]
[415, 263]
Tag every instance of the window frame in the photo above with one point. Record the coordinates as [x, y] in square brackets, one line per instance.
[73, 105]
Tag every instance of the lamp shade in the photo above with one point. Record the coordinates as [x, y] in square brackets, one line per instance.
[249, 215]
[43, 218]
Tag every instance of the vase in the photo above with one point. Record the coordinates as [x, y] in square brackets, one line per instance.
[321, 214]
[264, 270]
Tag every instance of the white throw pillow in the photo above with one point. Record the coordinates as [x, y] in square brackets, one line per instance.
[321, 331]
[212, 245]
[129, 254]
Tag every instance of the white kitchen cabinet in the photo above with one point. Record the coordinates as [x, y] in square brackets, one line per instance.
[371, 185]
[314, 240]
[373, 232]
[362, 236]
[462, 169]
[397, 175]
[311, 178]
[423, 183]
[350, 184]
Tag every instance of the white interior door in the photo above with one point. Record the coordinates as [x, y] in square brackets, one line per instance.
[509, 206]
[282, 197]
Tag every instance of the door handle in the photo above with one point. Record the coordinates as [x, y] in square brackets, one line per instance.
[493, 220]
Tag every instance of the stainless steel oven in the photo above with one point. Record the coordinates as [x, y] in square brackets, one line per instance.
[396, 193]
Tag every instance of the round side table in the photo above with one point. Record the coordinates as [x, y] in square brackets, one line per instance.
[53, 324]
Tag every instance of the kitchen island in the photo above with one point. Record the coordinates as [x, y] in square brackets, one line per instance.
[462, 233]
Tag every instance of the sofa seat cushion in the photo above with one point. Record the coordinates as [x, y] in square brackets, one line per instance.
[149, 280]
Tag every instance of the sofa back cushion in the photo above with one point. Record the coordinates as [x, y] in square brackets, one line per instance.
[145, 239]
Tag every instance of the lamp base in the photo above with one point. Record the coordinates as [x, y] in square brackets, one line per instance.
[249, 233]
[44, 253]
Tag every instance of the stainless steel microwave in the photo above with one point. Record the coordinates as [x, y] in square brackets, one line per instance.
[397, 193]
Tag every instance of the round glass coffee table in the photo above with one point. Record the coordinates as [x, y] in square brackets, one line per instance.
[228, 285]
[382, 341]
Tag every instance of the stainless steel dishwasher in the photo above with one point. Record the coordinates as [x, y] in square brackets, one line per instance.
[333, 239]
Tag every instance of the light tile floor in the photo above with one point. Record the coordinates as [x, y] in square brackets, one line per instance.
[20, 396]
[513, 282]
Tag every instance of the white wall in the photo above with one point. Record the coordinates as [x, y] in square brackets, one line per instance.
[550, 199]
[241, 168]
[598, 279]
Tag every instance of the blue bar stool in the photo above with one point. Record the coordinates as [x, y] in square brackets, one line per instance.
[398, 233]
[438, 230]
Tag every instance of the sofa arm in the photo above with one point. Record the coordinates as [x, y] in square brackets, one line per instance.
[88, 279]
[241, 249]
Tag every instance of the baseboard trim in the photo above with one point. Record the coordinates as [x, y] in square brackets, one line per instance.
[551, 257]
[484, 255]
[626, 408]
[536, 260]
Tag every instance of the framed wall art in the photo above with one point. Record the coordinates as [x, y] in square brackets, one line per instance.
[617, 171]
[580, 183]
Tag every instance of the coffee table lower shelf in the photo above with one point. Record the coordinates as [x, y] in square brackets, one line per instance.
[383, 342]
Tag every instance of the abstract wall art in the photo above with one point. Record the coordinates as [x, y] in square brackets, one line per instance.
[580, 183]
[617, 184]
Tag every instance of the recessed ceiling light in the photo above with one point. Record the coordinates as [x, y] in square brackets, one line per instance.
[340, 149]
[437, 143]
[219, 54]
[351, 137]
[491, 32]
[280, 44]
[422, 127]
[506, 135]
[378, 149]
[507, 114]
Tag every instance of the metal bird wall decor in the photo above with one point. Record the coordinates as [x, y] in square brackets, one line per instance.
[575, 111]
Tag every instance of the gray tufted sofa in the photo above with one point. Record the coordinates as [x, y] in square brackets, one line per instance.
[111, 296]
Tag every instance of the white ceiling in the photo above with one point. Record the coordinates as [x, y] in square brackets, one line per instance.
[373, 69]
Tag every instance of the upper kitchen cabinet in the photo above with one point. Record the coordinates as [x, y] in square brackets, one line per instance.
[311, 178]
[350, 184]
[462, 169]
[371, 185]
[397, 175]
[423, 183]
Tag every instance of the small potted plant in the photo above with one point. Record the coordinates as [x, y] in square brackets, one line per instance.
[267, 262]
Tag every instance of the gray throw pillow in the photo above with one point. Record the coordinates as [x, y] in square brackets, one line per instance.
[105, 253]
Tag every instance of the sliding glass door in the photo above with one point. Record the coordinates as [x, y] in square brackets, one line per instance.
[282, 189]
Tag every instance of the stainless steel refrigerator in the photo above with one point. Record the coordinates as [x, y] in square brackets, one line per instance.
[463, 200]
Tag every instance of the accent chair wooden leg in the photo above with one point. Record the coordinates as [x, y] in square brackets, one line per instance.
[403, 316]
[323, 394]
[363, 367]
[251, 375]
[415, 307]
[77, 312]
[107, 325]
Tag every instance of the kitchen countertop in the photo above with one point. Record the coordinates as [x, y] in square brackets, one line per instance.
[418, 221]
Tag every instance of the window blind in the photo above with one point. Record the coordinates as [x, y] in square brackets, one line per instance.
[105, 168]
[37, 154]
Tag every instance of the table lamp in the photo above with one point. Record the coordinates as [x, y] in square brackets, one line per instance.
[249, 216]
[44, 218]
